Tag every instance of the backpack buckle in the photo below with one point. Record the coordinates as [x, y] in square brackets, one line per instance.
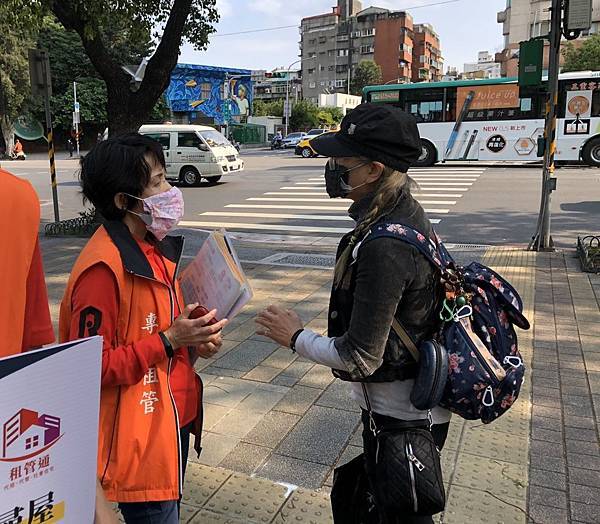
[514, 361]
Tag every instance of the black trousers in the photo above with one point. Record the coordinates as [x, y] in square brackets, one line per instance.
[439, 433]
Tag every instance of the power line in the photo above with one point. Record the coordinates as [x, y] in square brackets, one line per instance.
[265, 29]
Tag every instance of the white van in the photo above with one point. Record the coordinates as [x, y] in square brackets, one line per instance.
[194, 152]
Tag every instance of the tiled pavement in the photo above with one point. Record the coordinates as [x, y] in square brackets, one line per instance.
[275, 421]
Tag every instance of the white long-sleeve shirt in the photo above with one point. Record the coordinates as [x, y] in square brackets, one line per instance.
[387, 398]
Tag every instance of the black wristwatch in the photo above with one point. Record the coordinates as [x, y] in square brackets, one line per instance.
[294, 338]
[168, 347]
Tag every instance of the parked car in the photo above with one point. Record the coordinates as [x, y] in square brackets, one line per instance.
[304, 148]
[315, 132]
[292, 139]
[194, 152]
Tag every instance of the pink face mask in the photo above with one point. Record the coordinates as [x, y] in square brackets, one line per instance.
[162, 212]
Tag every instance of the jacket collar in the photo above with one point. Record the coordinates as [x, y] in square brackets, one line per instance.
[134, 260]
[359, 209]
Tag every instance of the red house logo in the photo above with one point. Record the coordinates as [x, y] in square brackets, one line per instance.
[27, 434]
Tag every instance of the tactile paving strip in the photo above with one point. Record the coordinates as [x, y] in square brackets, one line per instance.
[506, 481]
[249, 499]
[472, 505]
[201, 482]
[484, 442]
[306, 507]
[208, 517]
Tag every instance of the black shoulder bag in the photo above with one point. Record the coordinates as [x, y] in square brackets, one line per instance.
[403, 466]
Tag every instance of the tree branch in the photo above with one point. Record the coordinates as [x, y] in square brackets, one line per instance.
[164, 60]
[72, 16]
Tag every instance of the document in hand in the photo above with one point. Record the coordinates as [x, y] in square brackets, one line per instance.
[215, 278]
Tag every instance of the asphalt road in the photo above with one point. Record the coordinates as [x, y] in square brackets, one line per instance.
[281, 199]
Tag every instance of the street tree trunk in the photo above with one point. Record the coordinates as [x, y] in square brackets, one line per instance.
[8, 132]
[128, 109]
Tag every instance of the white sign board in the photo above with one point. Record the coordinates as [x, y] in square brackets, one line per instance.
[579, 104]
[579, 15]
[49, 433]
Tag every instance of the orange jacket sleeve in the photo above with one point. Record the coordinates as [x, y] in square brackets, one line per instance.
[96, 313]
[38, 326]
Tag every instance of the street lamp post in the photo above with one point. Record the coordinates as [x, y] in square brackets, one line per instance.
[287, 108]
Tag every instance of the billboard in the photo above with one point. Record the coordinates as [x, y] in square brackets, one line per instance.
[502, 96]
[49, 433]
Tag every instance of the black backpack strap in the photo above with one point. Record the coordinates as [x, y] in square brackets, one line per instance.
[435, 252]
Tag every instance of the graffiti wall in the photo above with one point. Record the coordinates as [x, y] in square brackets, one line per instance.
[222, 94]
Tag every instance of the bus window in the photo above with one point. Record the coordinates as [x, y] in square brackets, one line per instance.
[425, 106]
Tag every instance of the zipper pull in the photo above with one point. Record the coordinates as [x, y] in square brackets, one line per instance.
[418, 464]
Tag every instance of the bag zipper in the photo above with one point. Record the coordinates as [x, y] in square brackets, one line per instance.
[412, 463]
[438, 357]
[481, 360]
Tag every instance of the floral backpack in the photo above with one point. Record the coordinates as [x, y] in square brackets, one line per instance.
[481, 308]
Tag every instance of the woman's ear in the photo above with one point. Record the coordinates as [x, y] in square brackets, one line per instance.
[120, 200]
[376, 172]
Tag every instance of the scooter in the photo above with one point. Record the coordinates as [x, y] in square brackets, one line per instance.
[277, 143]
[17, 156]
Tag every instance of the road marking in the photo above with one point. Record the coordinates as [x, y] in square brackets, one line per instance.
[265, 227]
[326, 197]
[285, 199]
[445, 183]
[275, 206]
[442, 179]
[275, 215]
[271, 227]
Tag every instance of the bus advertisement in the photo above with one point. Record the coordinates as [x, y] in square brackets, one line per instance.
[495, 120]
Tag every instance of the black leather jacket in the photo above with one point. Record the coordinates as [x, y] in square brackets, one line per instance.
[389, 277]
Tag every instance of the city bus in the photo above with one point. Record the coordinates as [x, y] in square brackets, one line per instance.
[492, 119]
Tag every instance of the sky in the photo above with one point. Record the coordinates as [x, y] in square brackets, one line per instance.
[465, 27]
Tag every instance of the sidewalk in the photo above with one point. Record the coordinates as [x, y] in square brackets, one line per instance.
[275, 421]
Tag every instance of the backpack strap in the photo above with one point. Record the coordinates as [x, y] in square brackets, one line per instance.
[405, 338]
[434, 252]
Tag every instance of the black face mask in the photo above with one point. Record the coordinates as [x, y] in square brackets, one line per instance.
[336, 179]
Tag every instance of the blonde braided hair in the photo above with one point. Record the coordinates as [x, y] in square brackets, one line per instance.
[388, 190]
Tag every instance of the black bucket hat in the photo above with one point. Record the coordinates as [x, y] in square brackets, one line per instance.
[382, 133]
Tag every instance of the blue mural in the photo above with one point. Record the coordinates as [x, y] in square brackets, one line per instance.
[199, 88]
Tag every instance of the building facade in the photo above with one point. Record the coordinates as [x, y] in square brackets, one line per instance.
[525, 19]
[210, 95]
[333, 44]
[273, 85]
[428, 64]
[485, 67]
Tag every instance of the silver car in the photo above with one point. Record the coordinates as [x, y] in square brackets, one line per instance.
[292, 139]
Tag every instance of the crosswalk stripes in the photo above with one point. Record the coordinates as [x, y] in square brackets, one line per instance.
[303, 206]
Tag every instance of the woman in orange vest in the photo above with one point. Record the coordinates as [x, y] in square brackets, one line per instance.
[124, 287]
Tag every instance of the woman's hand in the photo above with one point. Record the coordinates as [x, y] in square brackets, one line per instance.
[194, 332]
[104, 513]
[278, 324]
[207, 350]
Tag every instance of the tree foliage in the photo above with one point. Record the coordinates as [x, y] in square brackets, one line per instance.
[114, 34]
[330, 115]
[14, 72]
[305, 115]
[366, 73]
[271, 108]
[582, 58]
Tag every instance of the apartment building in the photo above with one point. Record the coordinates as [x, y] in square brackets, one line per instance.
[485, 67]
[525, 19]
[272, 85]
[334, 43]
[428, 63]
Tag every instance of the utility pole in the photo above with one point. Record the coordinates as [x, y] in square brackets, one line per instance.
[542, 241]
[41, 85]
[76, 117]
[580, 14]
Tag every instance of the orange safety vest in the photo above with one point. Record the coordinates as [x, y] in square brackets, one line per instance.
[19, 225]
[139, 457]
